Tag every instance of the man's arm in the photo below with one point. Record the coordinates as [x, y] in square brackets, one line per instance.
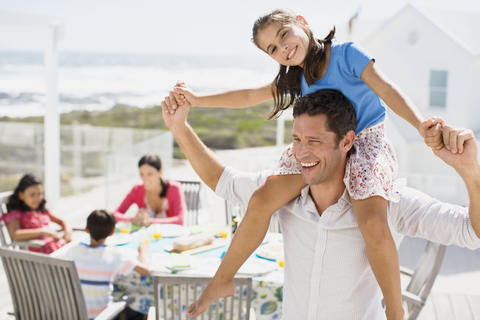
[205, 163]
[467, 166]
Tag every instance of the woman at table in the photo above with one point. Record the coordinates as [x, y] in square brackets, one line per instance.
[28, 218]
[158, 200]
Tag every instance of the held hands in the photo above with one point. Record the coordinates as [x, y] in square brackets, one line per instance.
[439, 135]
[174, 118]
[180, 96]
[460, 149]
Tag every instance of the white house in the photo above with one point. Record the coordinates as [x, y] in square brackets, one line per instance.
[433, 54]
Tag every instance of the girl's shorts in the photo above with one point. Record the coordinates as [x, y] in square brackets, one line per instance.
[370, 171]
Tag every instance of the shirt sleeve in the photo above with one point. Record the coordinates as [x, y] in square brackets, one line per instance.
[125, 264]
[176, 203]
[10, 216]
[238, 186]
[418, 215]
[123, 207]
[355, 59]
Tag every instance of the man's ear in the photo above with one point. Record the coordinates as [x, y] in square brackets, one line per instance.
[347, 141]
[86, 230]
[302, 20]
[112, 232]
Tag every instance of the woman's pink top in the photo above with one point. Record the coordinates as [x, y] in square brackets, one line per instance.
[34, 220]
[175, 212]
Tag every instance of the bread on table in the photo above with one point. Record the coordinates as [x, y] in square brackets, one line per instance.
[192, 241]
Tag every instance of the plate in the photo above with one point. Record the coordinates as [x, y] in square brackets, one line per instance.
[169, 230]
[118, 238]
[271, 251]
[193, 264]
[257, 267]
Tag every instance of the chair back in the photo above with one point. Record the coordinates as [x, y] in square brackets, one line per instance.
[191, 189]
[174, 293]
[5, 239]
[423, 277]
[43, 287]
[237, 210]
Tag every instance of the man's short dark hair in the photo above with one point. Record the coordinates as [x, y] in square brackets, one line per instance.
[340, 113]
[100, 224]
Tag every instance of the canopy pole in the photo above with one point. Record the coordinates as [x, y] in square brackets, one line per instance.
[52, 121]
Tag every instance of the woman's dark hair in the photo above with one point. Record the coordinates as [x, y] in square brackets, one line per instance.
[288, 83]
[154, 161]
[14, 202]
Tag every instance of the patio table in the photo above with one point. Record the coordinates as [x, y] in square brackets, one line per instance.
[267, 288]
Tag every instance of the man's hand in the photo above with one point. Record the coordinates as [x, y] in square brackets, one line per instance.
[174, 119]
[462, 140]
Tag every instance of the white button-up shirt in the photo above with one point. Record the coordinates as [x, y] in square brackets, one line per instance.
[327, 274]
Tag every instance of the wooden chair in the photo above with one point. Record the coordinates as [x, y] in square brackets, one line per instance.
[422, 279]
[5, 238]
[237, 210]
[191, 189]
[173, 292]
[43, 288]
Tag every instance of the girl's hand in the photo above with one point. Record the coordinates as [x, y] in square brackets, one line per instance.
[67, 236]
[431, 131]
[53, 234]
[185, 94]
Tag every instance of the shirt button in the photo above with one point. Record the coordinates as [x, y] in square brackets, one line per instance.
[318, 257]
[311, 312]
[314, 283]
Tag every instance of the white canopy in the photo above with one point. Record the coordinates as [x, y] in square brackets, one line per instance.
[26, 27]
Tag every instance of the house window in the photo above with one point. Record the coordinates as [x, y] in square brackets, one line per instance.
[438, 88]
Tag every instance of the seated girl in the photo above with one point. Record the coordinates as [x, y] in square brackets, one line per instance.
[158, 200]
[27, 217]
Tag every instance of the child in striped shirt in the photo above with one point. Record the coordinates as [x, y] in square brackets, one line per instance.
[97, 263]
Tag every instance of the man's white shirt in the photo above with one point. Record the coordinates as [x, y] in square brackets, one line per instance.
[327, 274]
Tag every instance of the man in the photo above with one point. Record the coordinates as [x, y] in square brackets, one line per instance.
[327, 274]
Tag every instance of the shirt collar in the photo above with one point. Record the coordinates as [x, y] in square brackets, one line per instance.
[343, 202]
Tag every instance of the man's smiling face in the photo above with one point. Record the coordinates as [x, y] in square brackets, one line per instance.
[316, 150]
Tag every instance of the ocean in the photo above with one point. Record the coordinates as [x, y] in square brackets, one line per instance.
[99, 81]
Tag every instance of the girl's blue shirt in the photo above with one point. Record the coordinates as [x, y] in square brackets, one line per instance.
[347, 62]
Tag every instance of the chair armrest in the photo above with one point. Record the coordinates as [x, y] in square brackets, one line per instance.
[413, 298]
[151, 313]
[35, 243]
[114, 309]
[406, 271]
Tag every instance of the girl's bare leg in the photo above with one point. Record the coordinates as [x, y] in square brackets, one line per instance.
[273, 194]
[371, 215]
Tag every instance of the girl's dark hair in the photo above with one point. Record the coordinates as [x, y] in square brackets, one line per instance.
[14, 202]
[288, 83]
[154, 161]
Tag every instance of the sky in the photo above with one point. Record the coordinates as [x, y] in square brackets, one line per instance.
[207, 27]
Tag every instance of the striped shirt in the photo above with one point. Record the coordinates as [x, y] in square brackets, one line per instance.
[327, 274]
[97, 267]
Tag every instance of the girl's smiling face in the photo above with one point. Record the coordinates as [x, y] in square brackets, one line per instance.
[32, 196]
[285, 43]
